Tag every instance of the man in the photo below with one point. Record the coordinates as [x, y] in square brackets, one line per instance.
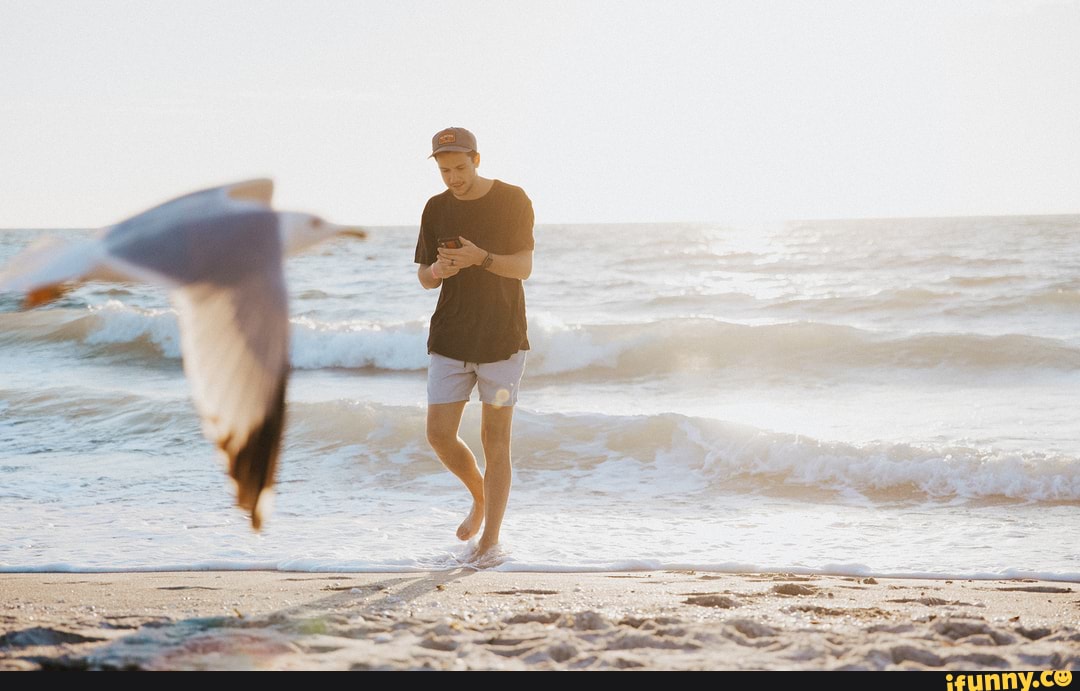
[476, 243]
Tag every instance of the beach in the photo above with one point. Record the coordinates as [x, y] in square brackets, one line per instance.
[462, 619]
[799, 324]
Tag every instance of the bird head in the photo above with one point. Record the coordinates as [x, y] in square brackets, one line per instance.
[299, 231]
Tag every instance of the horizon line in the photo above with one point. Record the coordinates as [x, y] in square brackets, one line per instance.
[748, 219]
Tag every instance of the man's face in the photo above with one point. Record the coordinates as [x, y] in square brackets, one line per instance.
[458, 171]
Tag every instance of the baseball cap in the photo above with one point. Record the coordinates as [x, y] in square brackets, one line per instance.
[453, 139]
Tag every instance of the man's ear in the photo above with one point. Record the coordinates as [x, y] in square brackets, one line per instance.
[476, 160]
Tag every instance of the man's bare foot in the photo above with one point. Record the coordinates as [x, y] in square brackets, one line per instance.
[482, 557]
[472, 523]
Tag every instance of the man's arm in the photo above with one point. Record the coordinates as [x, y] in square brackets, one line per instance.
[517, 265]
[432, 275]
[428, 279]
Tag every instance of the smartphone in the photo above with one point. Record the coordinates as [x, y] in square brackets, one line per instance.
[450, 243]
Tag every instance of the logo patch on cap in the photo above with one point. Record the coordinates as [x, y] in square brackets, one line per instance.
[448, 138]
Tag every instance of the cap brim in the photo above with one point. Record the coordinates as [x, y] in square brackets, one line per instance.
[445, 149]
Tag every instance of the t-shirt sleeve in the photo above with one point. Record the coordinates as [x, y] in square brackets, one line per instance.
[426, 250]
[523, 225]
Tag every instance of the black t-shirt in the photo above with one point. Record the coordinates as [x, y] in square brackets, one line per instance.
[480, 317]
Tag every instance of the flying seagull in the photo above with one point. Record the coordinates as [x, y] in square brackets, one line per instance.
[219, 252]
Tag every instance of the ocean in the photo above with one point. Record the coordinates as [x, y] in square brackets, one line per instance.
[892, 397]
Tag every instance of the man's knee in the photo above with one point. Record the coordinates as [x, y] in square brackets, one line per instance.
[495, 440]
[441, 437]
[495, 444]
[495, 430]
[442, 425]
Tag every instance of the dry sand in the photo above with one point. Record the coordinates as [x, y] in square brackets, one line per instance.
[485, 620]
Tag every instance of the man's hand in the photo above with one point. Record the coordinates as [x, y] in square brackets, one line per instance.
[467, 255]
[445, 268]
[431, 275]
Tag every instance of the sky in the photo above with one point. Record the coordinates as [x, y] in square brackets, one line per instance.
[602, 110]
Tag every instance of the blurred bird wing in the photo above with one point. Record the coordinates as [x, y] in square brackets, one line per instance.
[235, 347]
[51, 261]
[51, 266]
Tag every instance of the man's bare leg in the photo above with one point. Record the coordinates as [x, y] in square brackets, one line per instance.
[495, 430]
[443, 421]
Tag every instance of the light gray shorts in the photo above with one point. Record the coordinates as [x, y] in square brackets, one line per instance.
[451, 381]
